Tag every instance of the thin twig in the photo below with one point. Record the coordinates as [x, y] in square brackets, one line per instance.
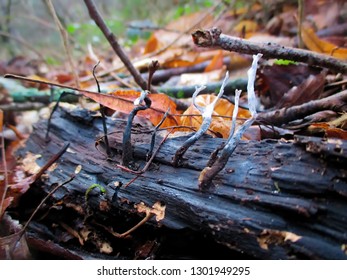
[65, 38]
[88, 93]
[96, 59]
[96, 16]
[144, 169]
[212, 38]
[150, 151]
[4, 163]
[44, 200]
[103, 116]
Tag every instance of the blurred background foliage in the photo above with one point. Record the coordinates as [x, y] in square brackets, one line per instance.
[27, 26]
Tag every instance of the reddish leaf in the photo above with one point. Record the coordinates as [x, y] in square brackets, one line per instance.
[122, 101]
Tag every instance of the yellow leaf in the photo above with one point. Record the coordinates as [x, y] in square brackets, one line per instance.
[314, 43]
[246, 26]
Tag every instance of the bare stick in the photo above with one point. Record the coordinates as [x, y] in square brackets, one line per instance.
[65, 38]
[214, 38]
[95, 15]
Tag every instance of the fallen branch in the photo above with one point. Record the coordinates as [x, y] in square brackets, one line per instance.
[214, 38]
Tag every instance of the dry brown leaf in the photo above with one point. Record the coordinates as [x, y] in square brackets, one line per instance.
[152, 44]
[269, 237]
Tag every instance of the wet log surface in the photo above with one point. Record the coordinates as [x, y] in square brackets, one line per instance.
[274, 200]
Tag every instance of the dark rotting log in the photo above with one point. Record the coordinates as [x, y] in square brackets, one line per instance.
[273, 200]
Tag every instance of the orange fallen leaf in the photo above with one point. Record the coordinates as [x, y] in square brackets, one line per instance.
[314, 43]
[220, 125]
[329, 131]
[152, 44]
[122, 101]
[216, 62]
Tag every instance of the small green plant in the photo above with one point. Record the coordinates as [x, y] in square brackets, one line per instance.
[101, 188]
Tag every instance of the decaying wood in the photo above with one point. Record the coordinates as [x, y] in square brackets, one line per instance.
[274, 200]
